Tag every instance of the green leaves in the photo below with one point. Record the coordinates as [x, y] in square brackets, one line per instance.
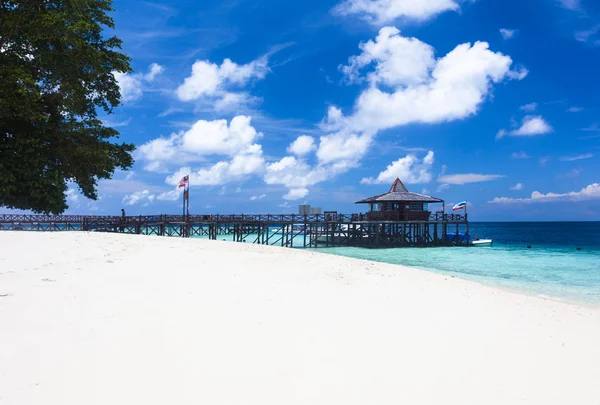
[56, 71]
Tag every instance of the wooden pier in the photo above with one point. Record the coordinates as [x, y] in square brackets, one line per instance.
[294, 231]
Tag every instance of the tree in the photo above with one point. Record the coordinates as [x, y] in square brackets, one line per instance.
[56, 71]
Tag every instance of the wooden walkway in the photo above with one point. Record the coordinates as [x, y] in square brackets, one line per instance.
[302, 231]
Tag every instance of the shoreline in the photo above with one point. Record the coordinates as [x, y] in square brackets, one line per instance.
[106, 318]
[495, 286]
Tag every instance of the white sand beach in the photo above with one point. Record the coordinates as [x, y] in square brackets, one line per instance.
[124, 319]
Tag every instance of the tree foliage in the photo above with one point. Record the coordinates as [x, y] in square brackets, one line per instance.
[56, 73]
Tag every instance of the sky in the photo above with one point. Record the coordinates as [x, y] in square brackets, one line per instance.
[268, 104]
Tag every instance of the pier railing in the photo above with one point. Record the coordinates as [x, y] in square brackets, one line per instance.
[219, 218]
[290, 230]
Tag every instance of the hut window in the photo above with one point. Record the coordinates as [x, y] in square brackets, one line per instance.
[376, 207]
[415, 206]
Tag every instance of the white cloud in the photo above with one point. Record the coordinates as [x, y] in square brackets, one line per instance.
[519, 73]
[72, 195]
[592, 128]
[154, 70]
[172, 195]
[214, 84]
[578, 157]
[257, 197]
[544, 160]
[531, 107]
[575, 109]
[296, 194]
[588, 35]
[573, 5]
[518, 186]
[425, 90]
[400, 61]
[138, 197]
[303, 145]
[343, 146]
[206, 139]
[531, 126]
[443, 187]
[507, 33]
[591, 192]
[573, 174]
[245, 163]
[407, 84]
[410, 169]
[385, 11]
[520, 155]
[468, 178]
[132, 84]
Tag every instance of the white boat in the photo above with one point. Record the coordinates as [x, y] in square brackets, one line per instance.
[482, 242]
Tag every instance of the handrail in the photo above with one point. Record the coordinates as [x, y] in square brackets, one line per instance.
[247, 218]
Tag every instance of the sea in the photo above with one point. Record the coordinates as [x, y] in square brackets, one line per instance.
[557, 260]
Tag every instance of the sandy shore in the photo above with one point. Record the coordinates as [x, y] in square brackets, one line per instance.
[117, 319]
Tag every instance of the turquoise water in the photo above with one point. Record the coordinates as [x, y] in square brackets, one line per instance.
[552, 267]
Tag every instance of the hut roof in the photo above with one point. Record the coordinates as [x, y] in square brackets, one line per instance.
[399, 193]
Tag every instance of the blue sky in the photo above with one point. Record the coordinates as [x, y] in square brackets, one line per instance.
[269, 104]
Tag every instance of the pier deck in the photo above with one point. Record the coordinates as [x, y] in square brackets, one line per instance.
[295, 231]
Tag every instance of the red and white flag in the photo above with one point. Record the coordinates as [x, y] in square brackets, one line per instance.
[184, 182]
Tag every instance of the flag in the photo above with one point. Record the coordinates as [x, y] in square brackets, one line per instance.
[460, 206]
[184, 182]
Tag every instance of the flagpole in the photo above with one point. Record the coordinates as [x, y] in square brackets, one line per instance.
[183, 201]
[188, 197]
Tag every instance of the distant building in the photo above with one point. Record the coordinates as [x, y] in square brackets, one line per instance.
[316, 210]
[308, 210]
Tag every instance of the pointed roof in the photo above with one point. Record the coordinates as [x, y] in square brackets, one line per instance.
[399, 193]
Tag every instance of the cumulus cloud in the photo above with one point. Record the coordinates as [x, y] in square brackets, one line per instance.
[235, 142]
[468, 178]
[410, 169]
[591, 192]
[172, 195]
[406, 84]
[245, 163]
[303, 145]
[531, 126]
[385, 11]
[143, 196]
[424, 89]
[507, 33]
[575, 109]
[132, 84]
[518, 186]
[296, 194]
[215, 84]
[204, 138]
